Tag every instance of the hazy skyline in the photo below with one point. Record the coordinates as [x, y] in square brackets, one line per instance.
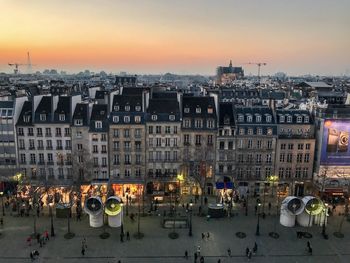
[186, 37]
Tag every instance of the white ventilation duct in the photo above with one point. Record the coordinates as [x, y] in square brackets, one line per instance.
[313, 207]
[291, 206]
[114, 210]
[94, 208]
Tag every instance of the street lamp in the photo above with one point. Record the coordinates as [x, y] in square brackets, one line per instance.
[190, 229]
[257, 233]
[51, 215]
[325, 210]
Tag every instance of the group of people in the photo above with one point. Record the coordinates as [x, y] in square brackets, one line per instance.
[250, 252]
[41, 239]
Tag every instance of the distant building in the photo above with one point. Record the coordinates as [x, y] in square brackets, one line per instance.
[225, 75]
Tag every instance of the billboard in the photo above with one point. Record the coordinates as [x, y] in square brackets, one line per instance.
[335, 143]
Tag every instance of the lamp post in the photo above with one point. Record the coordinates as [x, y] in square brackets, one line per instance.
[51, 215]
[325, 210]
[190, 229]
[257, 233]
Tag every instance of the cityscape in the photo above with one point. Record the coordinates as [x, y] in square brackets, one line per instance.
[176, 138]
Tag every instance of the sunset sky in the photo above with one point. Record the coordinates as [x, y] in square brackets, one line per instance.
[182, 36]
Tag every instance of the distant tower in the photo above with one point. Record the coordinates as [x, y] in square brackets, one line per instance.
[29, 64]
[230, 64]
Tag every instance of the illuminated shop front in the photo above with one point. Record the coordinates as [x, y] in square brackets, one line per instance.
[130, 190]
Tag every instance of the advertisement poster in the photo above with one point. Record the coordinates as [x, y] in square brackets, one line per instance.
[335, 143]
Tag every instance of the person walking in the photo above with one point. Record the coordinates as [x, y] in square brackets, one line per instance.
[219, 260]
[83, 251]
[247, 251]
[199, 251]
[208, 235]
[229, 252]
[195, 257]
[255, 248]
[127, 235]
[46, 234]
[83, 243]
[249, 255]
[201, 259]
[186, 254]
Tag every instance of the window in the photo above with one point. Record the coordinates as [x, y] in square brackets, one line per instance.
[289, 119]
[30, 132]
[230, 145]
[95, 149]
[241, 131]
[300, 146]
[137, 133]
[198, 123]
[138, 159]
[282, 157]
[221, 168]
[116, 159]
[104, 161]
[21, 144]
[281, 118]
[39, 132]
[98, 124]
[308, 146]
[150, 129]
[167, 129]
[258, 118]
[281, 172]
[283, 146]
[154, 117]
[268, 118]
[127, 108]
[306, 157]
[31, 144]
[78, 122]
[66, 131]
[49, 158]
[187, 110]
[258, 144]
[289, 157]
[127, 159]
[42, 117]
[79, 134]
[288, 172]
[26, 118]
[210, 140]
[158, 142]
[187, 139]
[115, 145]
[167, 142]
[250, 131]
[79, 146]
[126, 119]
[158, 129]
[268, 158]
[258, 158]
[240, 158]
[58, 132]
[167, 156]
[298, 172]
[126, 133]
[175, 129]
[269, 144]
[257, 172]
[299, 157]
[20, 132]
[187, 123]
[171, 117]
[305, 172]
[95, 160]
[222, 145]
[210, 124]
[137, 119]
[249, 118]
[259, 131]
[158, 156]
[299, 119]
[306, 119]
[116, 108]
[48, 144]
[48, 132]
[23, 158]
[250, 144]
[198, 110]
[115, 119]
[240, 118]
[40, 144]
[62, 117]
[267, 171]
[249, 158]
[290, 146]
[137, 108]
[269, 131]
[198, 139]
[32, 158]
[127, 145]
[41, 158]
[116, 133]
[59, 145]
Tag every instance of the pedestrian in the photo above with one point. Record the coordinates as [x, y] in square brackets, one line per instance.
[249, 255]
[247, 251]
[127, 235]
[1, 221]
[200, 210]
[37, 212]
[208, 235]
[83, 251]
[229, 252]
[119, 261]
[186, 254]
[46, 235]
[308, 244]
[219, 260]
[195, 257]
[121, 237]
[29, 241]
[199, 251]
[256, 208]
[203, 236]
[310, 251]
[201, 260]
[31, 256]
[83, 243]
[255, 248]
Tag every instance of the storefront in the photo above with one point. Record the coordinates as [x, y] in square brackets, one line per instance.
[128, 190]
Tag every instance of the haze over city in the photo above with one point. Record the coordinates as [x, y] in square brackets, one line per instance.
[185, 37]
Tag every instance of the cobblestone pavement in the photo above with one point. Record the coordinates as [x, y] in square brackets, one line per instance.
[156, 246]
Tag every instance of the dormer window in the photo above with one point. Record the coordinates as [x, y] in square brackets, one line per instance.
[258, 118]
[154, 117]
[138, 108]
[299, 119]
[115, 119]
[172, 117]
[126, 119]
[78, 122]
[98, 124]
[116, 108]
[62, 117]
[210, 111]
[306, 119]
[198, 110]
[26, 118]
[187, 110]
[127, 108]
[137, 119]
[281, 118]
[42, 117]
[240, 118]
[289, 119]
[268, 118]
[249, 118]
[102, 112]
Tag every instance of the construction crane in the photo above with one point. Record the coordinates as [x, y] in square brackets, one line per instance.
[259, 64]
[16, 65]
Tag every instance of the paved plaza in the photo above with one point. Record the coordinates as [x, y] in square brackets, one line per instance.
[156, 246]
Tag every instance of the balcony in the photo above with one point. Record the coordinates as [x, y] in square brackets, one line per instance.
[48, 135]
[59, 148]
[39, 135]
[30, 134]
[116, 163]
[21, 134]
[41, 163]
[32, 162]
[68, 148]
[103, 151]
[58, 135]
[104, 165]
[127, 163]
[31, 148]
[48, 147]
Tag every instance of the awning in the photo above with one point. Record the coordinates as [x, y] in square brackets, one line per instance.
[222, 185]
